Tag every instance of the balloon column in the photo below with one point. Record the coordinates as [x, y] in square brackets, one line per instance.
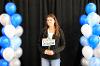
[90, 40]
[10, 41]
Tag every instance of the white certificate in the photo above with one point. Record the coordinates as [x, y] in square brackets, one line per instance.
[48, 42]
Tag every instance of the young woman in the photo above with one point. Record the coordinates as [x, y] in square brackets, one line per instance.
[50, 54]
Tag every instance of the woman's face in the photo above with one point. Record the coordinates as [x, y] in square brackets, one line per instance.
[50, 22]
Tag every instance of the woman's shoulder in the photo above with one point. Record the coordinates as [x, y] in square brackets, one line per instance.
[43, 29]
[61, 31]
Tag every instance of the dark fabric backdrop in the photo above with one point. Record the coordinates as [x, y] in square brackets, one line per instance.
[67, 13]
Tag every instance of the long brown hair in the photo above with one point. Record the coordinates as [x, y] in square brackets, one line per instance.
[57, 27]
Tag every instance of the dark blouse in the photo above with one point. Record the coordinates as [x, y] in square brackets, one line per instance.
[57, 48]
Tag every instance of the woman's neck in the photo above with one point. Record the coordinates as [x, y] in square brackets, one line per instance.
[51, 29]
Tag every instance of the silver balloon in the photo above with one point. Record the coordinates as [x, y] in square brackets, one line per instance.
[19, 30]
[84, 62]
[86, 30]
[18, 52]
[87, 52]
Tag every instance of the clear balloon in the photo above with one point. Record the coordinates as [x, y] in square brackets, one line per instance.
[97, 52]
[94, 61]
[83, 41]
[93, 19]
[9, 31]
[8, 54]
[16, 42]
[5, 19]
[15, 62]
[87, 52]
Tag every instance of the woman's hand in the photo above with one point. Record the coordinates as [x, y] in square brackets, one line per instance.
[49, 52]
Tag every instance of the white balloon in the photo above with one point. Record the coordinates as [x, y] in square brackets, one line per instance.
[84, 62]
[15, 62]
[86, 30]
[8, 54]
[18, 52]
[5, 19]
[87, 52]
[9, 30]
[97, 52]
[19, 31]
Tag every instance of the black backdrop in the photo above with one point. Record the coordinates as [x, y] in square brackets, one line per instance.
[34, 12]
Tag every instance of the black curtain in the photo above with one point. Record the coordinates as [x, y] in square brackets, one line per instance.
[67, 13]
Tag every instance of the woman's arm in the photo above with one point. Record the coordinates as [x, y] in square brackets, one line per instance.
[62, 43]
[40, 42]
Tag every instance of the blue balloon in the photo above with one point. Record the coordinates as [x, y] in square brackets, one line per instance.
[10, 8]
[3, 62]
[4, 42]
[91, 7]
[2, 30]
[96, 29]
[16, 20]
[1, 51]
[94, 61]
[83, 20]
[93, 41]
